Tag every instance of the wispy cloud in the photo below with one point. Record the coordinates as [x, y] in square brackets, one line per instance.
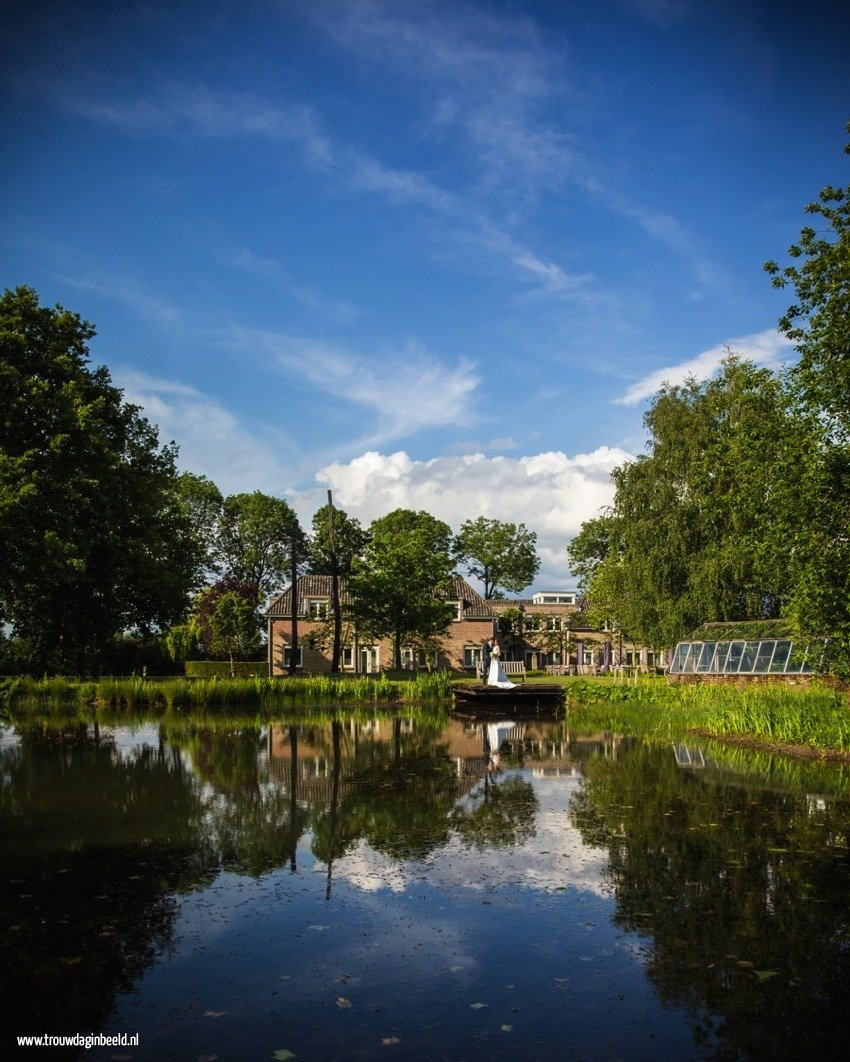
[493, 80]
[212, 440]
[406, 391]
[272, 271]
[129, 293]
[767, 348]
[178, 109]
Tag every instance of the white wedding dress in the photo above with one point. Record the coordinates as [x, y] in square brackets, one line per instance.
[496, 675]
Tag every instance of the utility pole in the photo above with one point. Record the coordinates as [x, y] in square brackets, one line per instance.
[293, 645]
[334, 590]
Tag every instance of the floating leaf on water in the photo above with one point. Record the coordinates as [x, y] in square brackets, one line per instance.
[507, 1028]
[478, 1006]
[343, 1002]
[455, 969]
[390, 1041]
[764, 975]
[777, 849]
[214, 1013]
[745, 963]
[283, 1055]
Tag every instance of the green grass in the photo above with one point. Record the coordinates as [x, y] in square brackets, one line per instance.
[59, 695]
[814, 716]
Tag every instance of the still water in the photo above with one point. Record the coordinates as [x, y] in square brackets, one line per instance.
[384, 888]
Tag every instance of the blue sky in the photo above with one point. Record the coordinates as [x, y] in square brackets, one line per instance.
[427, 254]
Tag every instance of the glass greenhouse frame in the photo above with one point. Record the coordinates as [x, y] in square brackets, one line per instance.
[766, 656]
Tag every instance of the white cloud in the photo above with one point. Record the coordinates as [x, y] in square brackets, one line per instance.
[767, 348]
[211, 439]
[407, 391]
[550, 493]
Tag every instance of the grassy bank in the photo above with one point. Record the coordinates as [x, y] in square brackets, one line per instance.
[816, 716]
[26, 695]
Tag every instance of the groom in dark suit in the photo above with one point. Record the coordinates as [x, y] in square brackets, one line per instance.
[486, 647]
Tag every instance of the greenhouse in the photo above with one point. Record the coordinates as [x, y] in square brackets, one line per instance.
[766, 656]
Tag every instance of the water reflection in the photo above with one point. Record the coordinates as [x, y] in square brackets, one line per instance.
[506, 887]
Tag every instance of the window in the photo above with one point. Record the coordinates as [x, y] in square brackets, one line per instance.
[553, 623]
[532, 623]
[472, 657]
[347, 657]
[415, 658]
[318, 610]
[458, 610]
[287, 655]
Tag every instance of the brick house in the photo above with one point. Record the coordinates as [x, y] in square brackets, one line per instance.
[548, 630]
[459, 650]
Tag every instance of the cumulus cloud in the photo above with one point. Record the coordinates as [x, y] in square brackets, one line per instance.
[551, 493]
[767, 348]
[212, 440]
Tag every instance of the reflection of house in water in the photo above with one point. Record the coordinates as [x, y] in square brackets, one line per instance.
[305, 754]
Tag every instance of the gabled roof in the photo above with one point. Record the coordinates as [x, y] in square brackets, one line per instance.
[318, 587]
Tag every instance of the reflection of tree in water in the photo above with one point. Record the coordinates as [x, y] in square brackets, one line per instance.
[397, 798]
[253, 824]
[504, 816]
[88, 916]
[742, 896]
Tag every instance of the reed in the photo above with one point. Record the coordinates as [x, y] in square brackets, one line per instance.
[181, 694]
[817, 716]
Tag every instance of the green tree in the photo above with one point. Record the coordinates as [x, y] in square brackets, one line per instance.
[349, 541]
[399, 585]
[254, 540]
[697, 531]
[818, 323]
[501, 555]
[93, 534]
[233, 624]
[201, 502]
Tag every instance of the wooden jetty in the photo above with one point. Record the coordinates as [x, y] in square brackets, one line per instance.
[527, 696]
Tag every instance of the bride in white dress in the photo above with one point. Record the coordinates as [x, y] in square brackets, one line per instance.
[496, 675]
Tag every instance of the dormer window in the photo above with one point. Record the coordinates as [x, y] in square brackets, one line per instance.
[317, 610]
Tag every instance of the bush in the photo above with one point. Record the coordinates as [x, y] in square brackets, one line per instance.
[207, 669]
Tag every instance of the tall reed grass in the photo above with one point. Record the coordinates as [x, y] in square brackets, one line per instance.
[817, 716]
[131, 694]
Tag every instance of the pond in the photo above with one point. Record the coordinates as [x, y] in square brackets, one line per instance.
[435, 888]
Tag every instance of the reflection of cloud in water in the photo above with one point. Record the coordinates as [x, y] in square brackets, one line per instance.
[554, 858]
[129, 739]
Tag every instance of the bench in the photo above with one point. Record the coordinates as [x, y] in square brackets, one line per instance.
[514, 668]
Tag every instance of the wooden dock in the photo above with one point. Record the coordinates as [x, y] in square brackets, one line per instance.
[527, 696]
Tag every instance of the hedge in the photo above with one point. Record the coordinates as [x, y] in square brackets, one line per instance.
[207, 669]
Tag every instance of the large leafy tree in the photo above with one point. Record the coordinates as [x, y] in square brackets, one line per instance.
[254, 540]
[94, 537]
[349, 541]
[502, 555]
[399, 584]
[201, 502]
[697, 531]
[818, 322]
